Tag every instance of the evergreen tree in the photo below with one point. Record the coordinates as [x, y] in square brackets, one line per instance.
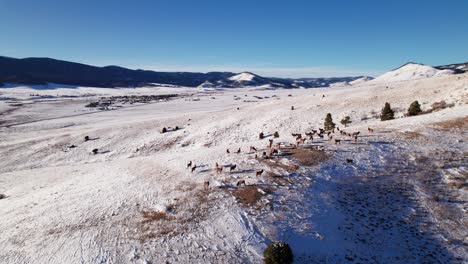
[387, 113]
[414, 109]
[329, 125]
[345, 121]
[276, 135]
[278, 253]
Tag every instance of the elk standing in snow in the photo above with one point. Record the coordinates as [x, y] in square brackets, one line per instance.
[206, 185]
[86, 138]
[95, 151]
[337, 141]
[370, 130]
[227, 151]
[252, 149]
[232, 167]
[259, 173]
[271, 142]
[239, 183]
[189, 164]
[238, 151]
[194, 168]
[219, 170]
[349, 160]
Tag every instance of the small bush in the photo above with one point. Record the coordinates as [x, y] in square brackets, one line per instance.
[414, 109]
[387, 113]
[345, 121]
[278, 253]
[329, 125]
[92, 104]
[2, 196]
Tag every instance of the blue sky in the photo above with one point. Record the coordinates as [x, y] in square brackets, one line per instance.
[272, 38]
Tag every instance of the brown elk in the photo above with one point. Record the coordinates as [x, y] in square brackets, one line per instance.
[194, 168]
[370, 130]
[232, 167]
[349, 160]
[252, 149]
[356, 133]
[206, 185]
[337, 141]
[300, 141]
[239, 183]
[86, 138]
[271, 142]
[238, 151]
[219, 170]
[330, 138]
[227, 151]
[355, 139]
[256, 156]
[95, 151]
[189, 164]
[259, 173]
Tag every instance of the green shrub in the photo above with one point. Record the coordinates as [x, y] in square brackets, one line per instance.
[387, 113]
[329, 125]
[278, 253]
[414, 109]
[345, 121]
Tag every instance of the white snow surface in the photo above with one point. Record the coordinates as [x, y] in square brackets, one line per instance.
[66, 205]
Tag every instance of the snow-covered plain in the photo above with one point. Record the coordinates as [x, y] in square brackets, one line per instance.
[136, 201]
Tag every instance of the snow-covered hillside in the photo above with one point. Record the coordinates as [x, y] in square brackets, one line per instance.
[395, 194]
[410, 71]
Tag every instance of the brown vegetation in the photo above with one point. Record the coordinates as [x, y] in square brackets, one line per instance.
[250, 195]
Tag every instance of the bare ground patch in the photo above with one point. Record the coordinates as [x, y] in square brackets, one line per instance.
[308, 157]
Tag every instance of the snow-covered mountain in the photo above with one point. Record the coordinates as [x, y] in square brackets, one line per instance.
[411, 71]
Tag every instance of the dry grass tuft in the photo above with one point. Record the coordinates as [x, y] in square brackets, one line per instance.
[458, 123]
[412, 135]
[308, 157]
[150, 216]
[250, 195]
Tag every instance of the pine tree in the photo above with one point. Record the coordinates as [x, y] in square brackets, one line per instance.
[414, 109]
[278, 253]
[345, 121]
[387, 113]
[329, 125]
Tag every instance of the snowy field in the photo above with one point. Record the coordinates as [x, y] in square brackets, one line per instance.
[402, 198]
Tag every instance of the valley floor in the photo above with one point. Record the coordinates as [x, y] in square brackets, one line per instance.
[401, 197]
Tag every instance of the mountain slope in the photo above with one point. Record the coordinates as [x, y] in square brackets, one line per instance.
[46, 70]
[411, 71]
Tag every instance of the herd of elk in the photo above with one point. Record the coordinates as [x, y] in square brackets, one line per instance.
[274, 149]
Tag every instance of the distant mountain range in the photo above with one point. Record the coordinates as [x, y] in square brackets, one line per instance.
[41, 71]
[45, 70]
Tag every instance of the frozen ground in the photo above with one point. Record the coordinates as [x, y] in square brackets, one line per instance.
[401, 200]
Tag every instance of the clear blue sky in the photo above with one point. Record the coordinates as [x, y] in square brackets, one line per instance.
[273, 38]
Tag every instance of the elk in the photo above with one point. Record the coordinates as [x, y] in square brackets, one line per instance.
[309, 134]
[271, 142]
[355, 139]
[356, 133]
[239, 183]
[252, 149]
[275, 151]
[330, 138]
[189, 164]
[300, 141]
[219, 170]
[238, 151]
[227, 151]
[194, 168]
[206, 185]
[370, 130]
[256, 156]
[232, 167]
[95, 151]
[349, 160]
[337, 141]
[259, 173]
[86, 138]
